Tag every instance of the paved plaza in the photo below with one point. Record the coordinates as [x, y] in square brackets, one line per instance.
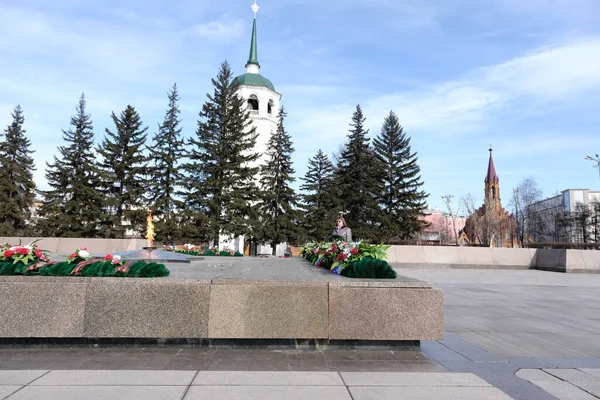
[521, 334]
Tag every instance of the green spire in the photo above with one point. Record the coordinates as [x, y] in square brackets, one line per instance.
[253, 58]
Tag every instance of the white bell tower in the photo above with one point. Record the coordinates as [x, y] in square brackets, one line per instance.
[262, 102]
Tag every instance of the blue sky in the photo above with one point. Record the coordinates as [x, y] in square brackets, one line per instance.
[523, 75]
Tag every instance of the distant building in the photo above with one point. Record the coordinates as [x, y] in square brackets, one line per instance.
[34, 210]
[441, 229]
[490, 225]
[559, 218]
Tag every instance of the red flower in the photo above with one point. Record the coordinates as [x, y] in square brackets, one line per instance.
[84, 248]
[354, 251]
[108, 257]
[38, 253]
[8, 253]
[23, 250]
[74, 255]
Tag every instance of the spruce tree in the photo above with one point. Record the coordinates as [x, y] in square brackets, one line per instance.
[73, 205]
[359, 177]
[402, 200]
[165, 155]
[320, 203]
[17, 189]
[279, 216]
[123, 171]
[220, 183]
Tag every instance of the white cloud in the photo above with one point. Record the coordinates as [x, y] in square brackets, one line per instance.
[54, 44]
[225, 29]
[550, 73]
[548, 144]
[558, 73]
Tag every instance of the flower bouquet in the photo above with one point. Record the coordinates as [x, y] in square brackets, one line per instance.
[30, 260]
[113, 259]
[108, 266]
[354, 260]
[16, 259]
[190, 250]
[78, 256]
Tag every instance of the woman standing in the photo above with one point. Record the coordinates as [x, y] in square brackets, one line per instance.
[343, 230]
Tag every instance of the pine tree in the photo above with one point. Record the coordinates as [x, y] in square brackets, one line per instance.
[123, 170]
[73, 205]
[220, 182]
[359, 176]
[17, 189]
[402, 201]
[278, 200]
[165, 156]
[320, 203]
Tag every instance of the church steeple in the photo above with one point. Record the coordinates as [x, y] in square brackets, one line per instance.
[491, 172]
[252, 66]
[252, 77]
[492, 184]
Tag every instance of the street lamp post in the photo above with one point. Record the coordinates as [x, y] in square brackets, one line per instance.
[596, 160]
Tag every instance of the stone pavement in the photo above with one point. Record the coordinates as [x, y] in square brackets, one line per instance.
[530, 334]
[500, 323]
[228, 385]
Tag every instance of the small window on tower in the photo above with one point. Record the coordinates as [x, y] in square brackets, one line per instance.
[270, 107]
[253, 103]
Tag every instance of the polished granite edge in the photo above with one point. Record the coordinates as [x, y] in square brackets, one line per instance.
[267, 282]
[242, 271]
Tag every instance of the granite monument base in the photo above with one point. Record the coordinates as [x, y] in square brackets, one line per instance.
[223, 301]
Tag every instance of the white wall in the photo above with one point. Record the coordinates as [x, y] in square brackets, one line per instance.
[264, 122]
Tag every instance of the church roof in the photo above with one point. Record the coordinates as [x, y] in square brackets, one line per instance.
[491, 176]
[254, 80]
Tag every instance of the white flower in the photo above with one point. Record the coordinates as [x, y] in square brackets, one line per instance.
[83, 254]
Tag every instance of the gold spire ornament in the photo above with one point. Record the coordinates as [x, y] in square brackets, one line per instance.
[255, 8]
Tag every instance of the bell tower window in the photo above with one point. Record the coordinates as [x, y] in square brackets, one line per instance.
[253, 104]
[270, 107]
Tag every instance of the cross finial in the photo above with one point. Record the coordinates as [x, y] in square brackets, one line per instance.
[255, 8]
[491, 148]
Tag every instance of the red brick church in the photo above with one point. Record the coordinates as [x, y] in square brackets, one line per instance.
[491, 225]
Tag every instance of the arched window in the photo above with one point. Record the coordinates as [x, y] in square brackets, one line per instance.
[270, 107]
[253, 103]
